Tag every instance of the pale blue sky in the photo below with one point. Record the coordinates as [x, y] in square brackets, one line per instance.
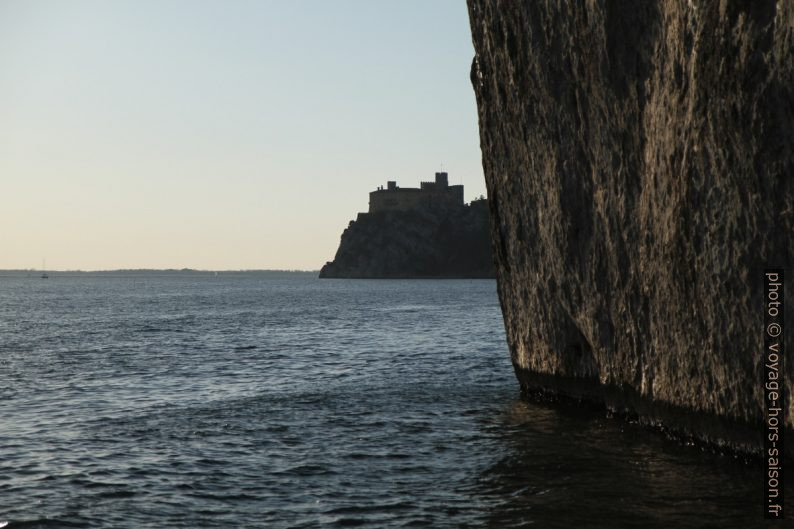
[221, 134]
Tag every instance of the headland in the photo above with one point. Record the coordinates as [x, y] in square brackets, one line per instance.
[412, 233]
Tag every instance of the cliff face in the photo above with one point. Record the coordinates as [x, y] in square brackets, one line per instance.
[419, 243]
[638, 160]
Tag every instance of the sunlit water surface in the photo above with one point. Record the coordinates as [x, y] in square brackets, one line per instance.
[275, 400]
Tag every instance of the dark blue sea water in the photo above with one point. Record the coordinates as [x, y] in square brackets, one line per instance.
[275, 400]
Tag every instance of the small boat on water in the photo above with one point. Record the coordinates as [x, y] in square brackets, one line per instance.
[44, 270]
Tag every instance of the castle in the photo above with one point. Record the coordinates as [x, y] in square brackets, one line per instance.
[431, 195]
[425, 232]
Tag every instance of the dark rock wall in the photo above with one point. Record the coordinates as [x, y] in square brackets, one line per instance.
[638, 160]
[419, 243]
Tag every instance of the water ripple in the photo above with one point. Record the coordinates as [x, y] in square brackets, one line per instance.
[249, 400]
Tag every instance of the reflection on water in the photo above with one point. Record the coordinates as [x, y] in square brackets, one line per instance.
[564, 466]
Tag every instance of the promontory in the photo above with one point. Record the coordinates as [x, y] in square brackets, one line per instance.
[424, 232]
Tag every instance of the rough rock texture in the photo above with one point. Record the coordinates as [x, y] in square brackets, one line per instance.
[638, 159]
[419, 243]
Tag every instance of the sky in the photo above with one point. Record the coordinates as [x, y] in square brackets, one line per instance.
[221, 135]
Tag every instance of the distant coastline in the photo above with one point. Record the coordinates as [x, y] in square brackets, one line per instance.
[130, 271]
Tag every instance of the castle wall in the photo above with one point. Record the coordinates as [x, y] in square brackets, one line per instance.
[412, 198]
[394, 200]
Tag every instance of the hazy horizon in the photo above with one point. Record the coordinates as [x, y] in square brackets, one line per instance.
[243, 135]
[201, 270]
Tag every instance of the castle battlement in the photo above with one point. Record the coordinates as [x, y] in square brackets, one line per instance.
[432, 195]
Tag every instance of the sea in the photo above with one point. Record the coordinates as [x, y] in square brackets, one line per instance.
[266, 399]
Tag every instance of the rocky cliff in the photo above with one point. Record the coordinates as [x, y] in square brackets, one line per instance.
[418, 243]
[638, 159]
